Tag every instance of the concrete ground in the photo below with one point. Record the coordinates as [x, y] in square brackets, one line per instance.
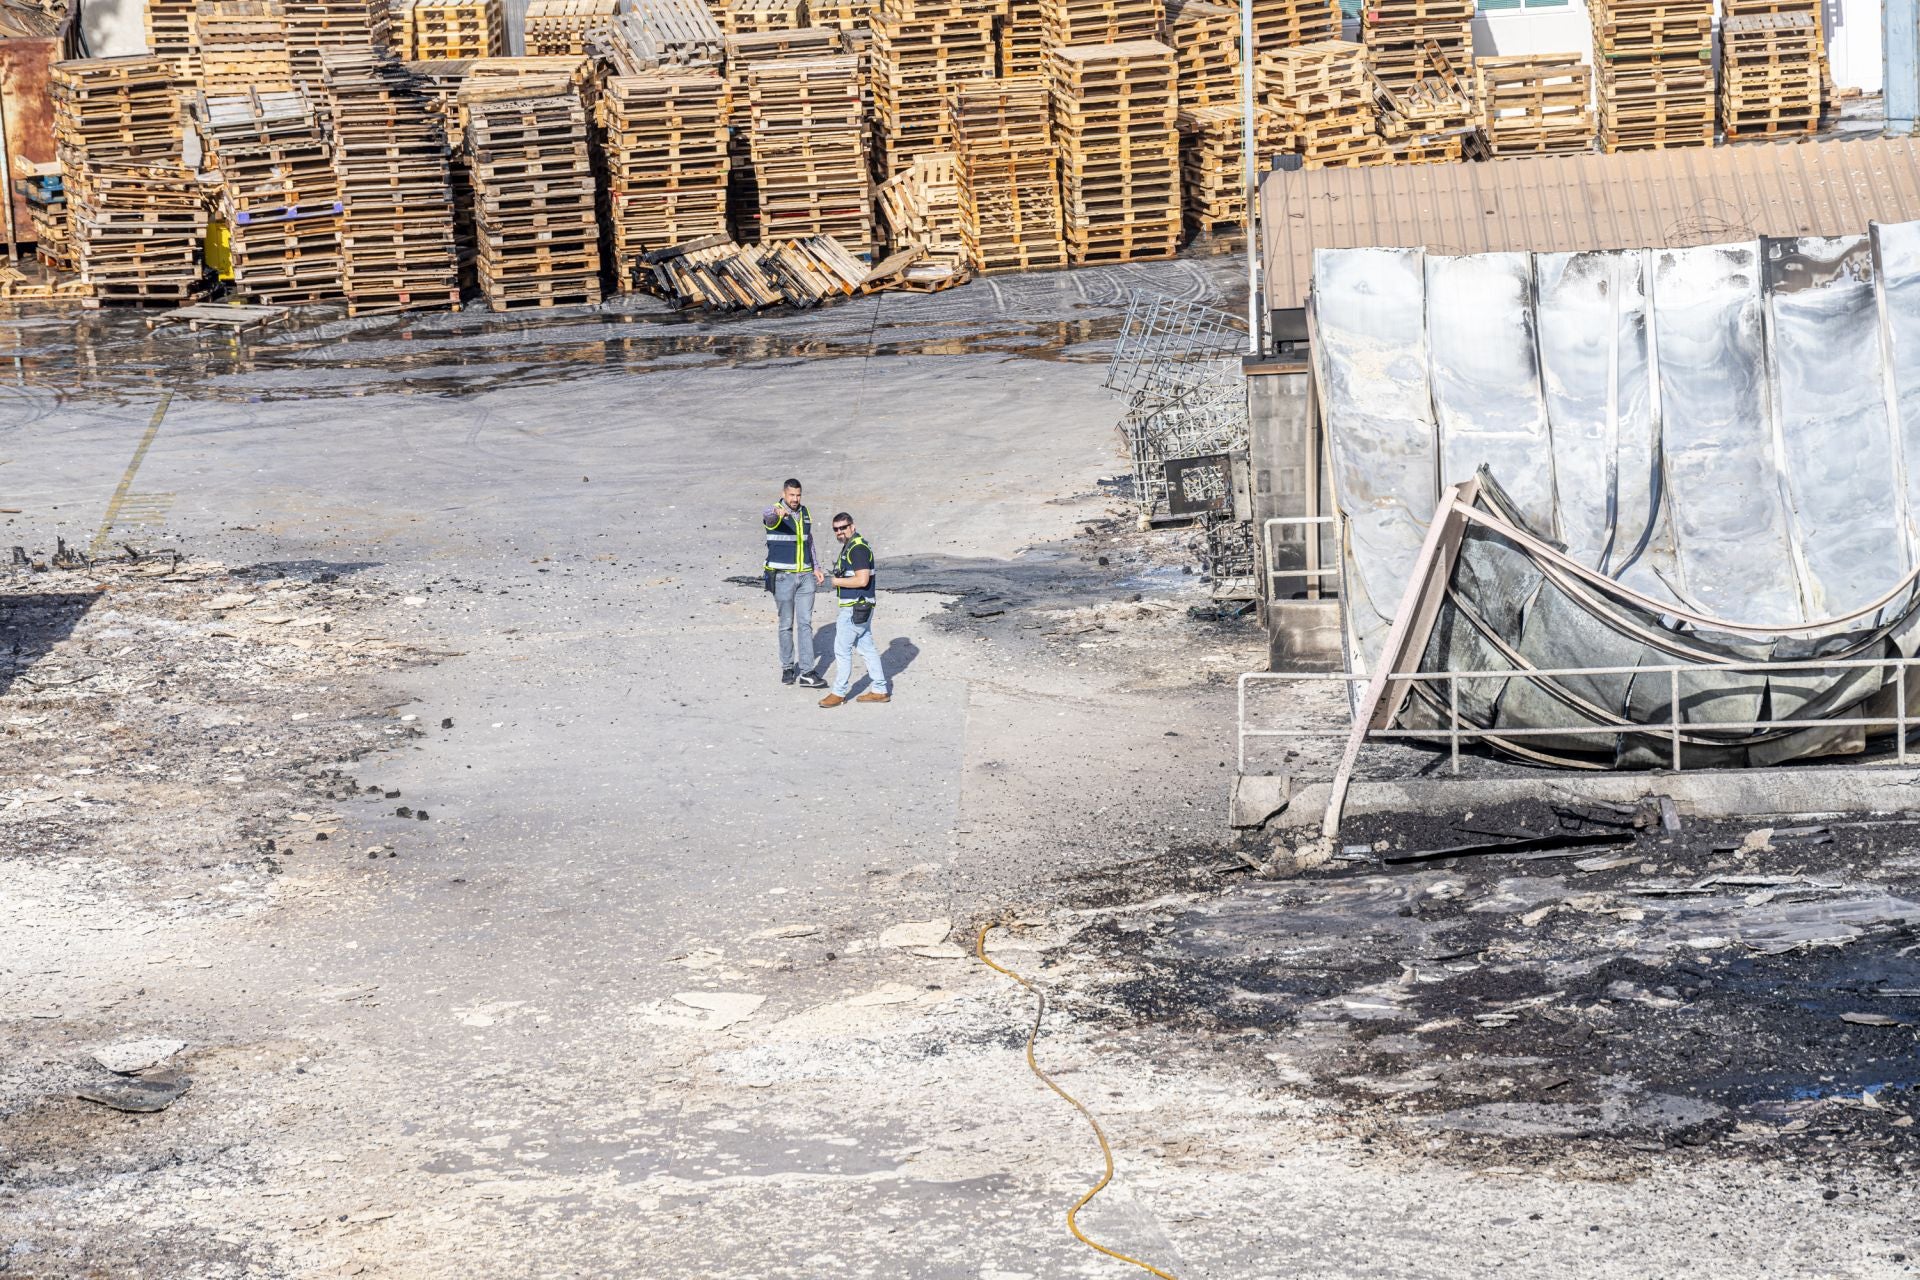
[637, 999]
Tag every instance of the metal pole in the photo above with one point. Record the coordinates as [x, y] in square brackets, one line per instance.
[1252, 176]
[1900, 45]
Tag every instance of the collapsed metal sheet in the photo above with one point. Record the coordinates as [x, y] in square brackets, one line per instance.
[1371, 359]
[1730, 433]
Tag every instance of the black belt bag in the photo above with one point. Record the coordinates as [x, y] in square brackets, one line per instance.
[862, 613]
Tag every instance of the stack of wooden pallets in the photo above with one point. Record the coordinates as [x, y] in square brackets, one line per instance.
[1536, 104]
[668, 32]
[1815, 11]
[1008, 179]
[664, 135]
[1409, 39]
[136, 215]
[557, 27]
[1656, 73]
[1114, 111]
[1213, 184]
[1322, 98]
[390, 151]
[52, 232]
[842, 15]
[920, 48]
[1205, 37]
[1083, 22]
[921, 207]
[316, 26]
[745, 52]
[1020, 34]
[746, 17]
[439, 81]
[243, 45]
[169, 27]
[534, 199]
[1770, 75]
[1288, 24]
[809, 149]
[455, 29]
[278, 193]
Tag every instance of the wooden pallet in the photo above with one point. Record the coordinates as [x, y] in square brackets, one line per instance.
[537, 236]
[800, 272]
[1007, 177]
[666, 33]
[1537, 104]
[920, 48]
[243, 45]
[1115, 109]
[1094, 22]
[1771, 80]
[564, 27]
[454, 29]
[663, 134]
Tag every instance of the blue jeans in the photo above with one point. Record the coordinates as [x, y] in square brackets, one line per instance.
[849, 635]
[793, 593]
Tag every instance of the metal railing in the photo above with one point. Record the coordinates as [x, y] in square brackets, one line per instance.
[1673, 728]
[1311, 575]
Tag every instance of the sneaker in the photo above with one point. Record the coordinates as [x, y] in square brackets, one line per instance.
[812, 681]
[832, 700]
[874, 697]
[789, 675]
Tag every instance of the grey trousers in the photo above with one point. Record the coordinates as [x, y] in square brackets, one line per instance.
[793, 592]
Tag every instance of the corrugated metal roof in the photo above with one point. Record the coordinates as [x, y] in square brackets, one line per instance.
[1632, 200]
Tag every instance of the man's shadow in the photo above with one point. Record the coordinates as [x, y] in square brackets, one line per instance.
[896, 657]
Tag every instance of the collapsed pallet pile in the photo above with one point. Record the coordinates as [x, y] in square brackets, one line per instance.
[1656, 73]
[454, 29]
[1770, 75]
[1539, 104]
[680, 33]
[318, 27]
[920, 49]
[664, 136]
[242, 46]
[809, 145]
[1114, 110]
[921, 207]
[278, 194]
[535, 219]
[801, 273]
[136, 216]
[561, 27]
[1006, 175]
[1322, 98]
[1429, 120]
[1408, 40]
[390, 151]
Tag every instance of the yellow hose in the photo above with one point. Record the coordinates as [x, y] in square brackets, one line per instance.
[1106, 1152]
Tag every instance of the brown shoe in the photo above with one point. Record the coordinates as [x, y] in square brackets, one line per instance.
[832, 700]
[874, 697]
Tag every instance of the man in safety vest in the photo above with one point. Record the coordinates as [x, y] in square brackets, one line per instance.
[792, 575]
[856, 578]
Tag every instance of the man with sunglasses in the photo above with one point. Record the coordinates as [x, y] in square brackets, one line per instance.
[856, 579]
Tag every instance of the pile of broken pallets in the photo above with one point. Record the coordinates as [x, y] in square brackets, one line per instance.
[921, 206]
[1403, 37]
[135, 212]
[1770, 75]
[391, 155]
[1008, 182]
[278, 193]
[664, 136]
[1656, 73]
[538, 235]
[1429, 119]
[1115, 122]
[1536, 104]
[556, 27]
[720, 274]
[1322, 96]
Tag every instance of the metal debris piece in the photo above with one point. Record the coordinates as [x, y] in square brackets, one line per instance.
[1565, 841]
[141, 1094]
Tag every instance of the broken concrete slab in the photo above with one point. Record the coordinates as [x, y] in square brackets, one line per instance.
[129, 1057]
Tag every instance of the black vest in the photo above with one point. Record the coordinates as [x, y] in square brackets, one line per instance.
[843, 568]
[787, 541]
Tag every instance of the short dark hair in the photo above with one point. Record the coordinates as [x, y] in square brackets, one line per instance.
[838, 516]
[791, 484]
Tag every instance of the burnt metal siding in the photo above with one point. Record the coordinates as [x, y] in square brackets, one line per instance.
[24, 63]
[1541, 204]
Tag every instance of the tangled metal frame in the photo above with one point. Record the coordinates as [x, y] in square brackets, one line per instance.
[1178, 364]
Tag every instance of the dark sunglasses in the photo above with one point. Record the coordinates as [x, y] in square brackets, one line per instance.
[841, 528]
